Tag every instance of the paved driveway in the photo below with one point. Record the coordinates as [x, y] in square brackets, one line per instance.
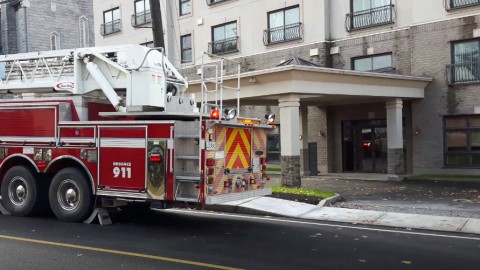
[421, 197]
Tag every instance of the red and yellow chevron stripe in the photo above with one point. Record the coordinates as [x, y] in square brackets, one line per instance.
[238, 148]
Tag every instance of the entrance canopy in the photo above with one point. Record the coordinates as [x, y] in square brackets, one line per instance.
[319, 86]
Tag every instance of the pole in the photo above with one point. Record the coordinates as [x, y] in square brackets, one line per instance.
[157, 25]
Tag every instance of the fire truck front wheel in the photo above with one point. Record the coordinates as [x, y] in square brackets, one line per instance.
[20, 191]
[70, 196]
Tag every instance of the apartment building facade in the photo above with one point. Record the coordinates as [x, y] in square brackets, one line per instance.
[43, 25]
[385, 86]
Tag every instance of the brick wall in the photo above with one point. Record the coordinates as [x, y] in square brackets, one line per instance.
[43, 18]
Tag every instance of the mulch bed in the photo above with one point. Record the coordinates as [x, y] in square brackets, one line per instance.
[297, 198]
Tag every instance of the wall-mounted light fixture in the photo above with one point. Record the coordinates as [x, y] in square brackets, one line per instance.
[416, 131]
[322, 134]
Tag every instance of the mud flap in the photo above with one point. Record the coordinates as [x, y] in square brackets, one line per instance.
[102, 215]
[2, 208]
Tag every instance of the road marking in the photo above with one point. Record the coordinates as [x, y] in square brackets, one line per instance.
[118, 252]
[319, 224]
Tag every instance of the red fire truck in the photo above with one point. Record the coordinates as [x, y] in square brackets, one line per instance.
[104, 126]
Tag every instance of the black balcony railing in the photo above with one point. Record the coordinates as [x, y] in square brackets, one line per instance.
[141, 18]
[225, 46]
[386, 70]
[213, 2]
[285, 33]
[370, 17]
[111, 27]
[453, 4]
[463, 73]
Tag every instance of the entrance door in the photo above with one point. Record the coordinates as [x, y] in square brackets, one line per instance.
[371, 146]
[365, 146]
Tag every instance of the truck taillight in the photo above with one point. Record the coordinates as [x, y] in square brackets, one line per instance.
[210, 162]
[155, 158]
[210, 171]
[263, 161]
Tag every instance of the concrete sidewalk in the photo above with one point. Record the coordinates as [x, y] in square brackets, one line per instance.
[278, 207]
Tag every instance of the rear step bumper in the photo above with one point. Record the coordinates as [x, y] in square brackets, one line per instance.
[222, 198]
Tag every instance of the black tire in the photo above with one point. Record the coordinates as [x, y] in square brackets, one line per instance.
[21, 191]
[70, 195]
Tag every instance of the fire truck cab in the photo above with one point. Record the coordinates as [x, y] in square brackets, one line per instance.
[104, 126]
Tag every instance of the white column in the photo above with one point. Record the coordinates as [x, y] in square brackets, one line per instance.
[395, 137]
[289, 125]
[290, 139]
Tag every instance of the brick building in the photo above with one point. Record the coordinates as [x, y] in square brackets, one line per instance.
[396, 89]
[42, 25]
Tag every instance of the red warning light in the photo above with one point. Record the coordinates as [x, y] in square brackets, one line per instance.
[215, 114]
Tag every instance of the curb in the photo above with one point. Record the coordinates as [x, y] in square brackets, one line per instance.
[330, 201]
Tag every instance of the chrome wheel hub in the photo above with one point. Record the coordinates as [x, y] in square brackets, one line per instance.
[18, 191]
[68, 196]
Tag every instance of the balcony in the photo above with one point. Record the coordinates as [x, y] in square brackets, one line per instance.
[111, 27]
[283, 34]
[387, 70]
[213, 2]
[463, 73]
[225, 46]
[141, 18]
[454, 4]
[370, 18]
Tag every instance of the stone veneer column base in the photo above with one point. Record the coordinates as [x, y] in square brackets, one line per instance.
[291, 171]
[396, 166]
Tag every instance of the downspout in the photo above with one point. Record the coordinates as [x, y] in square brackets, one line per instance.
[26, 29]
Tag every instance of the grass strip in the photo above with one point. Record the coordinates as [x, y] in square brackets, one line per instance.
[303, 191]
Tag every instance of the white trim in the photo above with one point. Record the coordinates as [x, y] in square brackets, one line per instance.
[55, 46]
[83, 28]
[122, 143]
[27, 139]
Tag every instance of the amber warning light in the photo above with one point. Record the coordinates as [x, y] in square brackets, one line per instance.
[248, 121]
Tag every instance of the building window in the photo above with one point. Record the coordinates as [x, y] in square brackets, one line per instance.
[369, 13]
[224, 39]
[186, 43]
[213, 2]
[142, 13]
[185, 7]
[148, 44]
[465, 67]
[83, 31]
[111, 22]
[283, 25]
[273, 148]
[462, 141]
[54, 41]
[374, 63]
[453, 4]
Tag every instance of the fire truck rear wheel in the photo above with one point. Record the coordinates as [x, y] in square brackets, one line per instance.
[20, 191]
[70, 195]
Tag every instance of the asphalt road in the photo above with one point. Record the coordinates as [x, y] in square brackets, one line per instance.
[182, 239]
